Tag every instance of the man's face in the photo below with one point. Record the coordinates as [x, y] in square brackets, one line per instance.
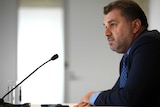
[118, 31]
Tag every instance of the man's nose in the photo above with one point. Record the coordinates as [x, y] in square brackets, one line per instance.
[107, 32]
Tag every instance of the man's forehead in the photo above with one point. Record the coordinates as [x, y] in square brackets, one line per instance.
[110, 19]
[113, 16]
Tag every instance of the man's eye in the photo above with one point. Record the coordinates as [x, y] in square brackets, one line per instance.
[113, 24]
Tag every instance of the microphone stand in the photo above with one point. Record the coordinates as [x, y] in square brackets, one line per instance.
[4, 104]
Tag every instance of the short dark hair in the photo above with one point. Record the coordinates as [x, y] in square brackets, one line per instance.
[130, 9]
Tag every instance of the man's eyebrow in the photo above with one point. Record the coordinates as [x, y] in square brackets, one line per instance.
[112, 21]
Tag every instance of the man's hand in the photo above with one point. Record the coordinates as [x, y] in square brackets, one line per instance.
[85, 101]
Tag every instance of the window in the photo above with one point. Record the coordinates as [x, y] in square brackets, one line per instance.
[40, 36]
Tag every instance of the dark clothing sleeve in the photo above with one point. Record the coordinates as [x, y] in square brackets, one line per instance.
[142, 86]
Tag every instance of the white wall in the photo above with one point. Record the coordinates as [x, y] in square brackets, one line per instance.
[8, 43]
[154, 14]
[91, 64]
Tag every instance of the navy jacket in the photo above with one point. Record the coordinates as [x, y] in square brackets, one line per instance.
[143, 83]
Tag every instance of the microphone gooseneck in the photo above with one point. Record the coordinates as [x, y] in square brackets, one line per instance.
[52, 58]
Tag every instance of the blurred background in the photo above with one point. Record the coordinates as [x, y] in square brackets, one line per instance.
[32, 31]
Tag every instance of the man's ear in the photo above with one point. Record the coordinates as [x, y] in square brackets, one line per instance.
[136, 25]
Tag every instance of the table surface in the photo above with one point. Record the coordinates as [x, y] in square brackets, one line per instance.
[72, 104]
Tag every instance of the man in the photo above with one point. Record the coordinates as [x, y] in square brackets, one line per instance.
[138, 84]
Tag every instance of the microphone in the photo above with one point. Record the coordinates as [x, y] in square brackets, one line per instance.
[4, 104]
[54, 57]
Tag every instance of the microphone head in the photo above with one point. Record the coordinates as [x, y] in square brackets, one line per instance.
[54, 57]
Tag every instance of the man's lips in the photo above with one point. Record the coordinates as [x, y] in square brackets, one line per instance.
[110, 40]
